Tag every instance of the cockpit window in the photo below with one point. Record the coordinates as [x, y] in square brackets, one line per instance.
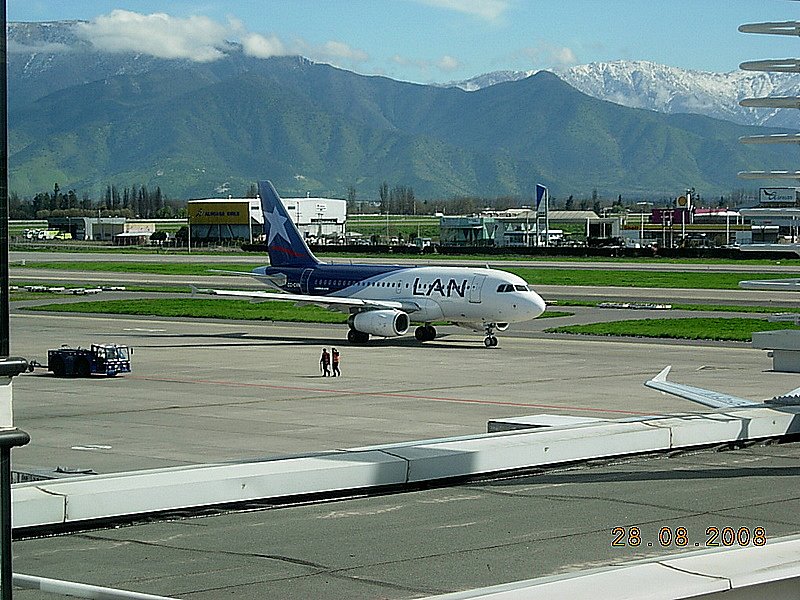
[507, 287]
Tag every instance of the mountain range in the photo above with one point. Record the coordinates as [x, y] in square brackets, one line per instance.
[86, 119]
[643, 84]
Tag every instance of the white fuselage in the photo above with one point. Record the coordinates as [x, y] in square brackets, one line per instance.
[457, 294]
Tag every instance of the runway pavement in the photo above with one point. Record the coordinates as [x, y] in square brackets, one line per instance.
[204, 392]
[220, 391]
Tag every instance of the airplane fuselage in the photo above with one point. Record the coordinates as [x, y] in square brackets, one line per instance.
[457, 294]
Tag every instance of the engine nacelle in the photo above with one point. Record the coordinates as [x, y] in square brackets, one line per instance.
[501, 326]
[385, 323]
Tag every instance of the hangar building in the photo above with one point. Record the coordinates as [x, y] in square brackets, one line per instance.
[220, 219]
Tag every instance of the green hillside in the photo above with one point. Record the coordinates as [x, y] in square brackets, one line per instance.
[199, 131]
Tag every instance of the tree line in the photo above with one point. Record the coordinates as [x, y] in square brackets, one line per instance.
[138, 201]
[135, 201]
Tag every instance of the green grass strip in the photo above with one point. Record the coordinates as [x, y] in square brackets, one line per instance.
[200, 308]
[722, 329]
[155, 268]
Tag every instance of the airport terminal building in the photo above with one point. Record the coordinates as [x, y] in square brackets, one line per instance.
[240, 219]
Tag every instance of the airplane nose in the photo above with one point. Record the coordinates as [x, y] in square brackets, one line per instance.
[537, 305]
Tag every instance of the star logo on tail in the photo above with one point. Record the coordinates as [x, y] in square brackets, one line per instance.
[276, 225]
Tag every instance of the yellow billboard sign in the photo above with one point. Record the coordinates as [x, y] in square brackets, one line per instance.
[219, 213]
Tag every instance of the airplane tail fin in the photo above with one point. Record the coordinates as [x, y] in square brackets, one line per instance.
[285, 245]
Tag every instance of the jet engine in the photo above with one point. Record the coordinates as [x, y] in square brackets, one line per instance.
[501, 326]
[385, 323]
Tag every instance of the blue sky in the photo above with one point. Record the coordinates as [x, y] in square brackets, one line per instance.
[436, 40]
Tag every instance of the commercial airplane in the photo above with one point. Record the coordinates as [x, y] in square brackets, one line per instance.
[383, 300]
[718, 399]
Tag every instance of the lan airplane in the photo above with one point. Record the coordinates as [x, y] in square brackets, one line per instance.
[382, 300]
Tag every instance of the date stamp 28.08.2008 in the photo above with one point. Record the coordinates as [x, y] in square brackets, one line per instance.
[681, 537]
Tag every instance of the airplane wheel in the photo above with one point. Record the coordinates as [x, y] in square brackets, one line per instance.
[58, 367]
[490, 341]
[494, 341]
[83, 369]
[430, 331]
[357, 337]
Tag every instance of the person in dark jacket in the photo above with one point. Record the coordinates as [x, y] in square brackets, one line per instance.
[325, 363]
[335, 362]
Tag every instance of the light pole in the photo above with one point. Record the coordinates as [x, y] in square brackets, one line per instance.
[643, 208]
[10, 436]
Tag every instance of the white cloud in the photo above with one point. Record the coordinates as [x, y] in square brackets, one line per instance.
[259, 46]
[195, 38]
[448, 63]
[445, 64]
[547, 55]
[335, 53]
[489, 10]
[201, 39]
[340, 50]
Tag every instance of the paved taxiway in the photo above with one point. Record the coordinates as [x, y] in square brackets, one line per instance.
[214, 391]
[220, 391]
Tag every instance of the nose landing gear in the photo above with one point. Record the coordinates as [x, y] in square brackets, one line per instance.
[490, 341]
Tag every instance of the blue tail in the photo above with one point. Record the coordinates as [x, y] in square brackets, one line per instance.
[285, 245]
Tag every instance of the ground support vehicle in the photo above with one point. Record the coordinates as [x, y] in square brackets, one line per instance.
[103, 359]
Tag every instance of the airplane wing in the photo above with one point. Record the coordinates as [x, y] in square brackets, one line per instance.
[277, 281]
[781, 285]
[332, 302]
[227, 272]
[699, 395]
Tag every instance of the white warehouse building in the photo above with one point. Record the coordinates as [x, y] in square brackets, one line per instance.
[220, 219]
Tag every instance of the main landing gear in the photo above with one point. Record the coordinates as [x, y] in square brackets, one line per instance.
[357, 337]
[490, 341]
[425, 333]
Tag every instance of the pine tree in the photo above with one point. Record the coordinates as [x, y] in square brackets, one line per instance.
[158, 202]
[383, 191]
[115, 199]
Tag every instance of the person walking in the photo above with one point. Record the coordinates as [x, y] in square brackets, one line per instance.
[325, 363]
[335, 362]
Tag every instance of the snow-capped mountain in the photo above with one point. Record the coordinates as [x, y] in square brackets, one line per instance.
[642, 84]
